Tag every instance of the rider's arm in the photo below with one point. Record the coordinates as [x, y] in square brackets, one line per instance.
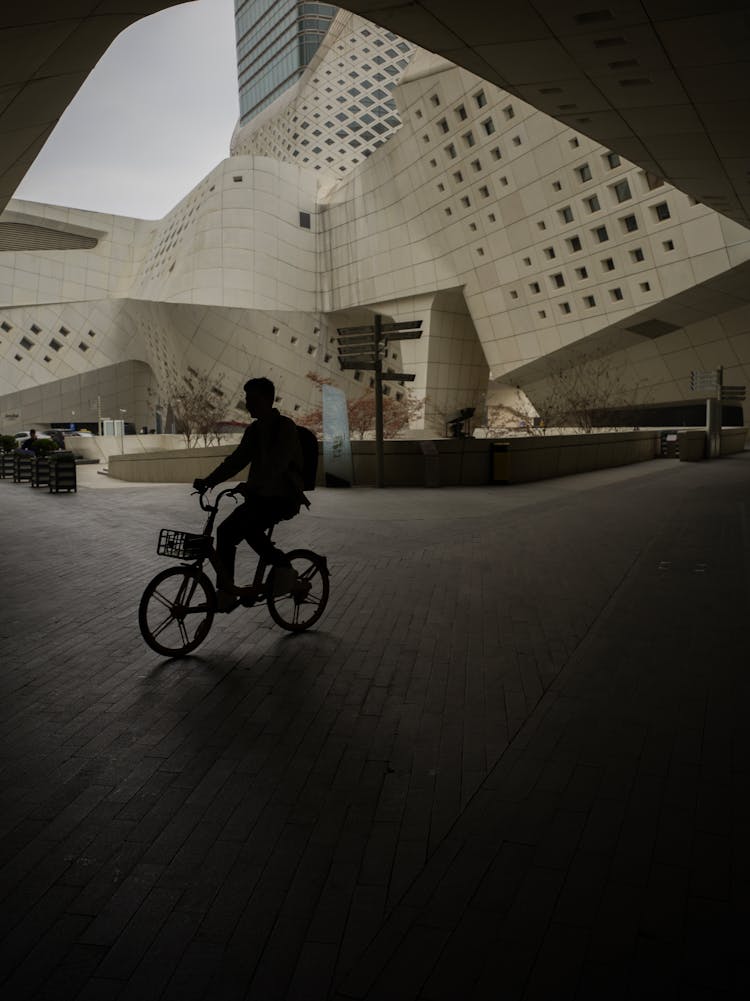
[241, 457]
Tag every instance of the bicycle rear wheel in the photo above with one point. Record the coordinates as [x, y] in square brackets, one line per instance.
[176, 610]
[304, 604]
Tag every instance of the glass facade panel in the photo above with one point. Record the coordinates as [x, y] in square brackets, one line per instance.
[276, 39]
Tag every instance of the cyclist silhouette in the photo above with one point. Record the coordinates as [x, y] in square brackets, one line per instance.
[273, 491]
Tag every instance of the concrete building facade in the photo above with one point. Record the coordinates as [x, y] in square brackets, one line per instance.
[519, 242]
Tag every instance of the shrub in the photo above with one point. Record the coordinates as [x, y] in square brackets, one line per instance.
[7, 443]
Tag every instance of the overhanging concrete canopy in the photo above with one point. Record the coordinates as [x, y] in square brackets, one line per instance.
[47, 49]
[663, 82]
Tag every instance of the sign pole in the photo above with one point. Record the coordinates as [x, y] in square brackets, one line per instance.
[379, 456]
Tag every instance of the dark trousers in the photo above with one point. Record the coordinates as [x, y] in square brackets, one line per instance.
[249, 522]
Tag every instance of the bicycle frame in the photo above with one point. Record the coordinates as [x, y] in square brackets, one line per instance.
[208, 532]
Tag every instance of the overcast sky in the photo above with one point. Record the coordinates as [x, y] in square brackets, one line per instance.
[154, 116]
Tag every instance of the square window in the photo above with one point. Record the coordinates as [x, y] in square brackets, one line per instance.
[541, 224]
[558, 280]
[557, 186]
[492, 217]
[608, 264]
[542, 314]
[458, 177]
[466, 202]
[622, 191]
[592, 203]
[55, 344]
[496, 154]
[441, 186]
[581, 274]
[443, 125]
[448, 211]
[484, 191]
[566, 214]
[83, 347]
[480, 251]
[504, 181]
[513, 294]
[516, 140]
[461, 113]
[6, 326]
[434, 99]
[476, 165]
[469, 139]
[574, 243]
[480, 99]
[35, 329]
[26, 343]
[527, 261]
[473, 227]
[601, 234]
[304, 220]
[589, 301]
[574, 144]
[450, 149]
[612, 160]
[535, 287]
[629, 223]
[509, 112]
[584, 172]
[616, 294]
[637, 255]
[661, 211]
[565, 307]
[668, 245]
[645, 286]
[489, 126]
[549, 253]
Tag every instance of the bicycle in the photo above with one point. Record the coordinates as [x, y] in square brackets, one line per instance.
[178, 606]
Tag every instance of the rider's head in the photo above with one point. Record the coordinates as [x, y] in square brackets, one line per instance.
[259, 396]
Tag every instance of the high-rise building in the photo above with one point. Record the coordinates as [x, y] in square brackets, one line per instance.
[276, 39]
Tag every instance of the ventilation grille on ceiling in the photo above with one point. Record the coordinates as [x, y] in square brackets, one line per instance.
[653, 328]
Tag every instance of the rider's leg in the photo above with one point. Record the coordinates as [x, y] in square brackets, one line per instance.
[228, 536]
[260, 514]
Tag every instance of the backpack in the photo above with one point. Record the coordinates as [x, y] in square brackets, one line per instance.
[309, 445]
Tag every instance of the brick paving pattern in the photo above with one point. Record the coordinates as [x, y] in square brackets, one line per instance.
[511, 761]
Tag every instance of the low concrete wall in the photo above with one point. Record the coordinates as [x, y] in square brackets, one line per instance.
[444, 462]
[692, 444]
[102, 447]
[169, 466]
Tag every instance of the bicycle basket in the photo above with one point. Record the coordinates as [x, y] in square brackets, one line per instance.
[182, 545]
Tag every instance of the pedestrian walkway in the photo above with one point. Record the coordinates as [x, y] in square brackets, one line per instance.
[511, 762]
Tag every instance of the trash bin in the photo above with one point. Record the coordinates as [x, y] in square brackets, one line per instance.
[500, 462]
[62, 472]
[670, 445]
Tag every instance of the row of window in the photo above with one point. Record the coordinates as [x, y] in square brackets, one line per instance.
[589, 301]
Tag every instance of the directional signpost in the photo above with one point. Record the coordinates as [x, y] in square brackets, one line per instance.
[363, 348]
[712, 385]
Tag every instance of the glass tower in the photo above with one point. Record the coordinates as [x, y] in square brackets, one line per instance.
[276, 39]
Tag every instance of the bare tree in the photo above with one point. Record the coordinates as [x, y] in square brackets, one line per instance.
[585, 395]
[199, 404]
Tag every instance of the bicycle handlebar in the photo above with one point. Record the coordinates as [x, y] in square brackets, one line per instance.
[207, 505]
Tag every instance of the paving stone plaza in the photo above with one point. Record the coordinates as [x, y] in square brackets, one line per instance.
[510, 762]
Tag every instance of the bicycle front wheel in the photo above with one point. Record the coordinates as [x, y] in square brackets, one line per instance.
[304, 604]
[176, 610]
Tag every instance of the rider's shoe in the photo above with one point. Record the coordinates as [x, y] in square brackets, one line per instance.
[248, 595]
[226, 601]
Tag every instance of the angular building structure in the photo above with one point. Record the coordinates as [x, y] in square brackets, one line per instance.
[381, 179]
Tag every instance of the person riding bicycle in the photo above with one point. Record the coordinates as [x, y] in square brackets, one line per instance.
[273, 491]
